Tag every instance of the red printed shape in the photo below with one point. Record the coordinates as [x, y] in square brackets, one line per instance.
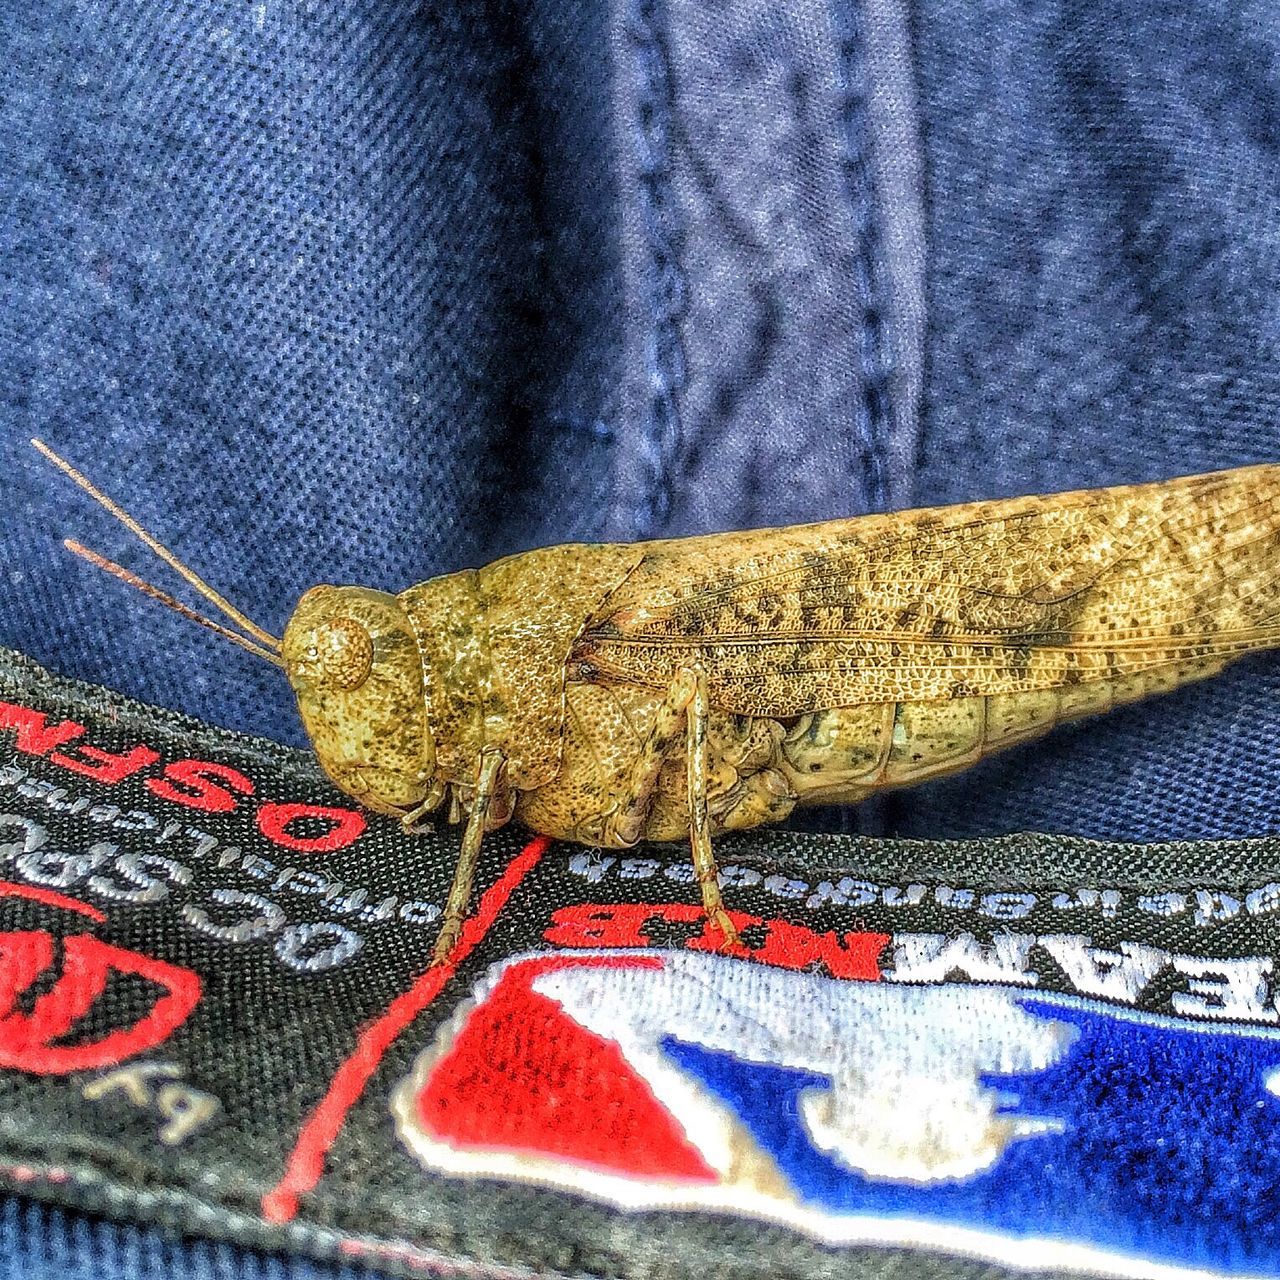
[523, 1076]
[305, 1165]
[27, 1039]
[345, 826]
[48, 898]
[620, 924]
[34, 735]
[625, 924]
[786, 945]
[24, 956]
[106, 766]
[201, 784]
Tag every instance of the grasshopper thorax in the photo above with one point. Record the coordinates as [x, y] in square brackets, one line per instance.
[353, 661]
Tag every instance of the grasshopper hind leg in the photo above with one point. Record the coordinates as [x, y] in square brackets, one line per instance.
[697, 714]
[683, 714]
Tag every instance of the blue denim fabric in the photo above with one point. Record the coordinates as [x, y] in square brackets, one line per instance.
[367, 291]
[324, 292]
[1104, 307]
[38, 1242]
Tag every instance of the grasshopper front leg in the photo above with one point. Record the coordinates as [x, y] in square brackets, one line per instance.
[455, 908]
[685, 709]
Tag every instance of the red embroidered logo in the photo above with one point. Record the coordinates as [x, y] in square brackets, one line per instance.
[31, 1026]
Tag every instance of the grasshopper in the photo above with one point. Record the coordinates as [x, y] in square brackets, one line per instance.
[670, 690]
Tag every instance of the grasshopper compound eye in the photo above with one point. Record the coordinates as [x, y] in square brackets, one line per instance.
[342, 650]
[352, 656]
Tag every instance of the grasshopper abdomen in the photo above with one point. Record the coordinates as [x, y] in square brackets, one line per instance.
[842, 755]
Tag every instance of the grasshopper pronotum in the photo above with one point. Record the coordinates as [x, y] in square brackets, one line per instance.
[614, 693]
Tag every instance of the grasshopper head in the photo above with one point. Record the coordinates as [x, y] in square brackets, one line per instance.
[351, 656]
[353, 661]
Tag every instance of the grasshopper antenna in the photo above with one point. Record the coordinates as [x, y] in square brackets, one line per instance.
[263, 640]
[119, 571]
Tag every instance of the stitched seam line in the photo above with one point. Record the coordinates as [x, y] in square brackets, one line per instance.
[894, 151]
[665, 284]
[83, 1189]
[875, 417]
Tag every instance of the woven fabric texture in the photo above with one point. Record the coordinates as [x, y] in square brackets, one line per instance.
[368, 291]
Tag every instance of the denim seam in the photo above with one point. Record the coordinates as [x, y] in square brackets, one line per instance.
[86, 1190]
[665, 285]
[874, 422]
[897, 166]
